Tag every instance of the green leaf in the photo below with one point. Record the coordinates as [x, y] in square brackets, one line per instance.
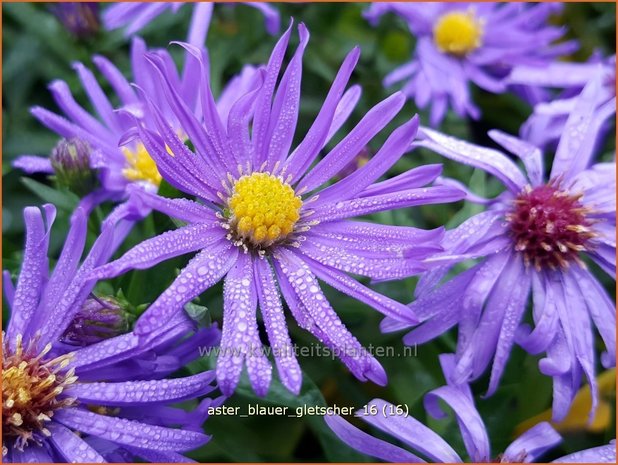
[64, 200]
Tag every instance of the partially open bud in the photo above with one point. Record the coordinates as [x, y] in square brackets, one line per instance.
[80, 19]
[71, 162]
[100, 318]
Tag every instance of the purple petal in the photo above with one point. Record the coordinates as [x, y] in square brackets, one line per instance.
[173, 171]
[197, 169]
[401, 199]
[505, 298]
[276, 327]
[512, 319]
[63, 97]
[400, 73]
[410, 431]
[185, 210]
[360, 231]
[91, 361]
[373, 122]
[315, 139]
[395, 146]
[203, 271]
[533, 443]
[167, 245]
[31, 454]
[9, 288]
[132, 433]
[529, 154]
[67, 264]
[144, 16]
[249, 79]
[108, 349]
[119, 83]
[207, 134]
[73, 448]
[359, 262]
[261, 120]
[602, 310]
[440, 308]
[489, 160]
[97, 97]
[306, 287]
[66, 129]
[366, 444]
[560, 364]
[200, 22]
[32, 164]
[344, 109]
[284, 112]
[238, 122]
[33, 273]
[119, 14]
[578, 332]
[143, 392]
[557, 74]
[577, 143]
[545, 316]
[470, 423]
[416, 177]
[240, 340]
[353, 288]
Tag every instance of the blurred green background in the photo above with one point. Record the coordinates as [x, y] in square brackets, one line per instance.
[38, 49]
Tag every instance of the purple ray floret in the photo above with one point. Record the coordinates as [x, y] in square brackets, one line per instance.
[269, 224]
[66, 400]
[462, 43]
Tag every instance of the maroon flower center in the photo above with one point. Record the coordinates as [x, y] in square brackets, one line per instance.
[550, 226]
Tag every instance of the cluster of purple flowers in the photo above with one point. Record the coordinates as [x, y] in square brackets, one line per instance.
[274, 220]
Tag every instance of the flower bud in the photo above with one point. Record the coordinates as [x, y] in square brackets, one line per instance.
[71, 162]
[100, 318]
[80, 19]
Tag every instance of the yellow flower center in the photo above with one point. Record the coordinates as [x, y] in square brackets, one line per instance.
[263, 209]
[141, 166]
[458, 33]
[30, 389]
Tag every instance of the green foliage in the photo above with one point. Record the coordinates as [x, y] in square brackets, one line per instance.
[37, 50]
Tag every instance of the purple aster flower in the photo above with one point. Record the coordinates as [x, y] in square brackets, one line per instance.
[532, 239]
[267, 222]
[391, 420]
[544, 127]
[136, 15]
[98, 402]
[120, 167]
[459, 43]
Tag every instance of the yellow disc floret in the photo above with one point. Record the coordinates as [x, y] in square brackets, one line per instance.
[263, 209]
[141, 166]
[458, 33]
